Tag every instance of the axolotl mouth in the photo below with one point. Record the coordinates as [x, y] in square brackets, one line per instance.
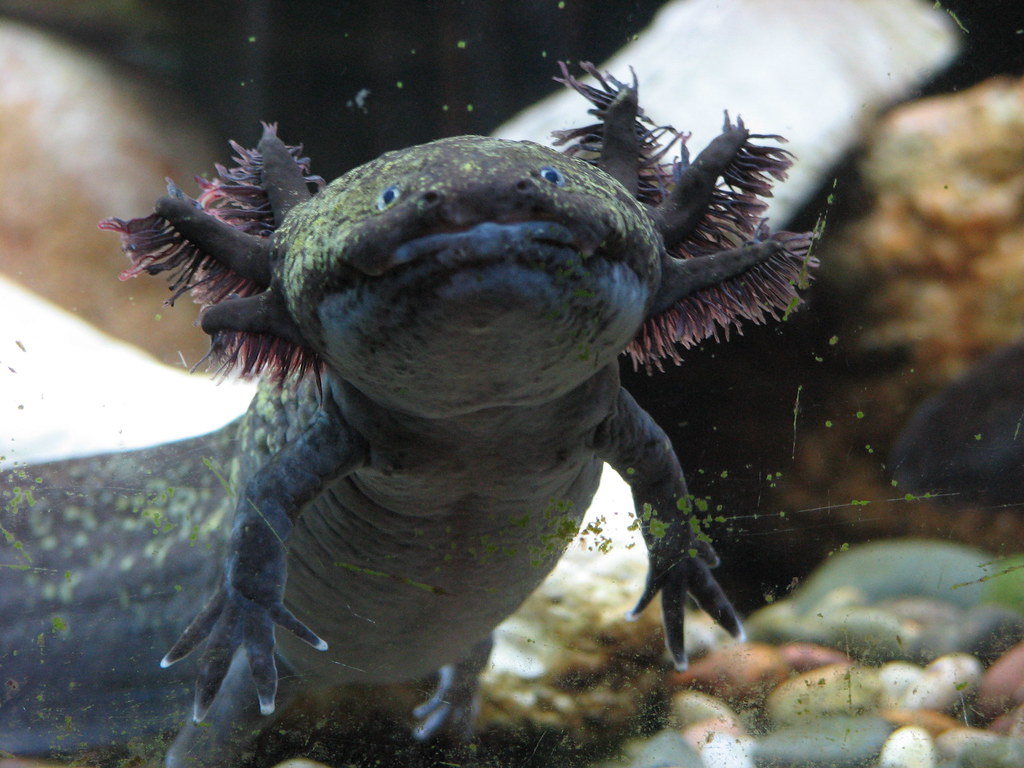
[494, 299]
[489, 241]
[500, 265]
[537, 239]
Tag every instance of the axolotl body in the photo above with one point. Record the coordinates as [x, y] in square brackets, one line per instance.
[439, 333]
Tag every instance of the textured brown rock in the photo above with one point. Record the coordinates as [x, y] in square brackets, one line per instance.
[741, 673]
[922, 283]
[803, 657]
[78, 142]
[943, 247]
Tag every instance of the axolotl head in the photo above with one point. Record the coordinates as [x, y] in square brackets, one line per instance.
[467, 273]
[475, 272]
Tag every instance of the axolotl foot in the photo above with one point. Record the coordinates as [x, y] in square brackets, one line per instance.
[452, 709]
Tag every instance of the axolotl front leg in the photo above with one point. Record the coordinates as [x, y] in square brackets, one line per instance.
[250, 599]
[237, 624]
[680, 558]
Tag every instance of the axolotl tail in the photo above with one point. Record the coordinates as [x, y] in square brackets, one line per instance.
[100, 560]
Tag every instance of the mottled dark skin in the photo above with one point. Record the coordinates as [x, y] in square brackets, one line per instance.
[103, 557]
[466, 302]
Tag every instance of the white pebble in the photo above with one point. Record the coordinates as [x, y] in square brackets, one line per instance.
[943, 683]
[840, 597]
[726, 750]
[689, 707]
[908, 747]
[897, 677]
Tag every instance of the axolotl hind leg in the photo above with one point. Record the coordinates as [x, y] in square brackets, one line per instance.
[234, 721]
[451, 710]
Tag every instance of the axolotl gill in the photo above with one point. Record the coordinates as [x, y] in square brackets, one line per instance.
[438, 335]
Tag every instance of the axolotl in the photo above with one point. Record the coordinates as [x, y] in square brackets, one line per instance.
[438, 335]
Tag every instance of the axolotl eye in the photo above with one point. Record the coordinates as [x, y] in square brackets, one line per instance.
[387, 197]
[553, 175]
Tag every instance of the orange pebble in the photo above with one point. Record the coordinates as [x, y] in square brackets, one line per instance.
[803, 657]
[737, 673]
[1002, 685]
[933, 722]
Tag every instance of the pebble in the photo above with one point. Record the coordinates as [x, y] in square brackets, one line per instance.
[901, 567]
[876, 706]
[699, 734]
[897, 677]
[938, 626]
[742, 672]
[689, 707]
[935, 723]
[838, 689]
[951, 744]
[1016, 719]
[908, 747]
[725, 750]
[943, 684]
[840, 618]
[803, 657]
[665, 750]
[903, 607]
[1002, 685]
[837, 742]
[995, 753]
[1010, 723]
[872, 634]
[991, 630]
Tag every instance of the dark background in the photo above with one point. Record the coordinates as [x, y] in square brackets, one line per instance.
[465, 67]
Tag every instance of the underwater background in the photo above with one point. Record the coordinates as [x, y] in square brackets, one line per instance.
[864, 456]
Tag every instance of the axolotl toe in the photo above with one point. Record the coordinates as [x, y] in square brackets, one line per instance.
[438, 332]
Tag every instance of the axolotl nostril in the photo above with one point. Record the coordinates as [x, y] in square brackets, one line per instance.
[438, 333]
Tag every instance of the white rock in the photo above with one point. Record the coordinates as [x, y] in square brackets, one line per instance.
[70, 390]
[897, 677]
[847, 596]
[943, 683]
[663, 749]
[815, 72]
[689, 707]
[835, 689]
[908, 747]
[725, 750]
